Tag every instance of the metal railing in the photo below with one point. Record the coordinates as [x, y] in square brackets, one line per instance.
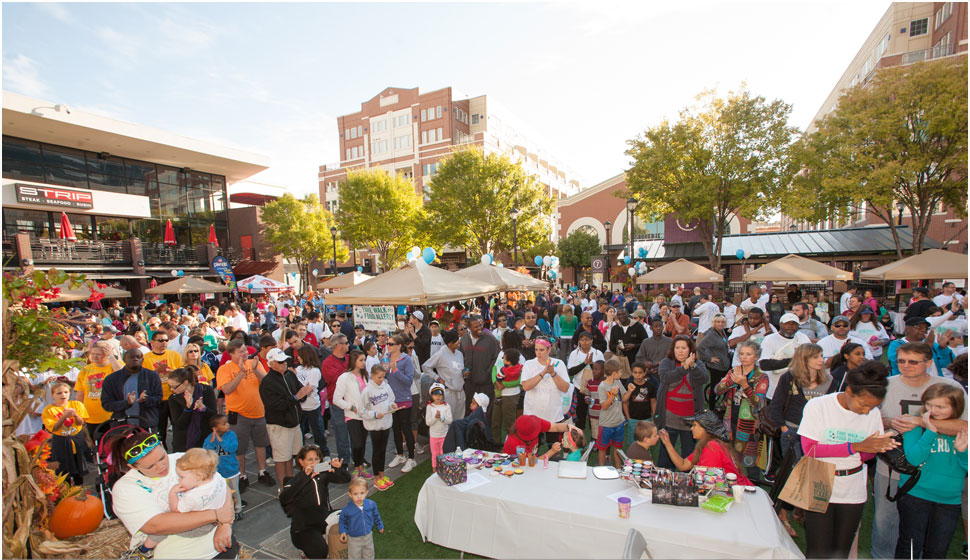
[159, 253]
[45, 250]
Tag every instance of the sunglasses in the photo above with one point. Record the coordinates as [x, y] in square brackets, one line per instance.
[137, 452]
[910, 362]
[192, 352]
[160, 340]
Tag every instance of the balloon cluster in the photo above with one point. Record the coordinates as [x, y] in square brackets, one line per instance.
[639, 267]
[427, 255]
[551, 262]
[316, 271]
[178, 273]
[487, 259]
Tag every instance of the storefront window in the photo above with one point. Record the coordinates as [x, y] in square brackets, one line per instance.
[169, 175]
[66, 177]
[148, 231]
[59, 156]
[111, 183]
[32, 222]
[142, 178]
[80, 223]
[112, 229]
[17, 169]
[171, 201]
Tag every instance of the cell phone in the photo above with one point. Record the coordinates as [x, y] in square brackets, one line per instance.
[322, 466]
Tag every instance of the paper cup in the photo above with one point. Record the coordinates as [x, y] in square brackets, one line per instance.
[738, 492]
[624, 504]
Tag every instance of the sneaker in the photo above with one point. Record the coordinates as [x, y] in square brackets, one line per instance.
[387, 482]
[362, 472]
[239, 516]
[379, 484]
[418, 448]
[243, 484]
[137, 554]
[267, 479]
[243, 503]
[270, 462]
[397, 460]
[408, 465]
[307, 436]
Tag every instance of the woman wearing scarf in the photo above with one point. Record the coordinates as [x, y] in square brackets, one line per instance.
[744, 389]
[191, 406]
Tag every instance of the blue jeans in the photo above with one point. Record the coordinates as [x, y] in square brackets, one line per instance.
[925, 526]
[790, 441]
[311, 421]
[885, 519]
[686, 447]
[340, 432]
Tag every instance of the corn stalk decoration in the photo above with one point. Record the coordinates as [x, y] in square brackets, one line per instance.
[36, 339]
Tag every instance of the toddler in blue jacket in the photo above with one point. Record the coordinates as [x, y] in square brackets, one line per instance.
[357, 521]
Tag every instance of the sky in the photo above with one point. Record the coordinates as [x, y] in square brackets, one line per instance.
[271, 78]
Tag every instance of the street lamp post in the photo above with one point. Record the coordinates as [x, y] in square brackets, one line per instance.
[515, 236]
[631, 206]
[900, 206]
[333, 235]
[608, 224]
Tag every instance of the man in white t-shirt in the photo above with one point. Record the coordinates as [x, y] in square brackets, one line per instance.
[834, 342]
[777, 350]
[705, 312]
[756, 329]
[140, 501]
[946, 297]
[901, 412]
[844, 300]
[237, 319]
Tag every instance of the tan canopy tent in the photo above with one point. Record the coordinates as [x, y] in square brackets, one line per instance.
[344, 281]
[679, 272]
[412, 284]
[506, 280]
[83, 292]
[188, 285]
[793, 268]
[932, 264]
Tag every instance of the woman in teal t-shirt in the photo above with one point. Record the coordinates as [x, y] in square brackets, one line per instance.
[568, 322]
[930, 512]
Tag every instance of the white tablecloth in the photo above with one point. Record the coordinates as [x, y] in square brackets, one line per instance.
[539, 515]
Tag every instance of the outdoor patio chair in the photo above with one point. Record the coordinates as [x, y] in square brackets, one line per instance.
[636, 546]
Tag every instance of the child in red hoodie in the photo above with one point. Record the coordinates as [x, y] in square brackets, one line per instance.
[507, 391]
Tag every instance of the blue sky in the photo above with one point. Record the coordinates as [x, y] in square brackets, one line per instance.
[581, 78]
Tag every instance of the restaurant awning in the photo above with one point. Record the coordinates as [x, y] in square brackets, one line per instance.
[934, 264]
[795, 268]
[680, 271]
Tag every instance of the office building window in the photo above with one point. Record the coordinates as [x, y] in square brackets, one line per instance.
[346, 134]
[424, 136]
[424, 115]
[348, 154]
[430, 169]
[360, 130]
[918, 27]
[475, 118]
[943, 14]
[380, 125]
[440, 136]
[438, 111]
[353, 133]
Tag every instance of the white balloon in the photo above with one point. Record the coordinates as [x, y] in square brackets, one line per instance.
[175, 272]
[631, 271]
[547, 260]
[486, 259]
[501, 265]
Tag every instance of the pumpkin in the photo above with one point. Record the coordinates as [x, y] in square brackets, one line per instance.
[76, 515]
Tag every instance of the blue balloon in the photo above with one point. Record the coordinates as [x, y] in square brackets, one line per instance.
[626, 259]
[642, 252]
[315, 271]
[740, 253]
[537, 260]
[181, 273]
[429, 255]
[360, 269]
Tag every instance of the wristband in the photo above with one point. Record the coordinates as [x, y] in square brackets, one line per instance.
[848, 446]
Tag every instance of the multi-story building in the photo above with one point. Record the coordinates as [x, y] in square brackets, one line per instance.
[407, 132]
[909, 32]
[118, 184]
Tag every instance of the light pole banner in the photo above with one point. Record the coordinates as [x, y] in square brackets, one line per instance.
[376, 317]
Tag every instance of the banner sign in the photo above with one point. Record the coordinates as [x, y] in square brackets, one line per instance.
[50, 196]
[222, 267]
[376, 317]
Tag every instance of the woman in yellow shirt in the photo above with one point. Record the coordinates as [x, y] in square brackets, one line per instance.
[101, 364]
[192, 356]
[65, 419]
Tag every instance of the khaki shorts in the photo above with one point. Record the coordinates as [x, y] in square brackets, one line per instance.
[286, 442]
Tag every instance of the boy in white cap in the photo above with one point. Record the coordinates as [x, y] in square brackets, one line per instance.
[458, 430]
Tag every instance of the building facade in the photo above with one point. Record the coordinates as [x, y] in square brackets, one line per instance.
[909, 32]
[119, 184]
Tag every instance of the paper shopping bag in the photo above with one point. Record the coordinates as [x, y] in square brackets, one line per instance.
[624, 366]
[809, 485]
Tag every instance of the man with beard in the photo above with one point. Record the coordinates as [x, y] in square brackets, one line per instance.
[133, 391]
[626, 336]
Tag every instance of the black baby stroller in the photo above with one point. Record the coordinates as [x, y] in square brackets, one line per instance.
[110, 471]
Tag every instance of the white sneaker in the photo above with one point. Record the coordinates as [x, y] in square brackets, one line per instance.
[408, 465]
[418, 448]
[397, 460]
[270, 462]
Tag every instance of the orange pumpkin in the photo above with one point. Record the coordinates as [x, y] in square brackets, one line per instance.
[76, 515]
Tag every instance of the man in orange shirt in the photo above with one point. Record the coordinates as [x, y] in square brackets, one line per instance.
[239, 379]
[161, 360]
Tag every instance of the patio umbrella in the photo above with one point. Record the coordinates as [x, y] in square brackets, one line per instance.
[260, 285]
[412, 284]
[188, 285]
[934, 264]
[680, 271]
[344, 281]
[212, 235]
[169, 233]
[507, 280]
[794, 268]
[83, 292]
[67, 232]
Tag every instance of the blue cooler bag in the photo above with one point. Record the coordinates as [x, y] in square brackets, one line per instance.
[451, 469]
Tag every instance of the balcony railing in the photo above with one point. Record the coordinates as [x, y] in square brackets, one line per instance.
[159, 253]
[50, 251]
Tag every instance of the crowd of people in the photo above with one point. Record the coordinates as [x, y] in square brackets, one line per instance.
[682, 378]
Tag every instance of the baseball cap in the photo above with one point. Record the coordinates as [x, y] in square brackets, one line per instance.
[675, 304]
[840, 319]
[110, 328]
[639, 313]
[915, 321]
[788, 318]
[866, 309]
[435, 322]
[276, 355]
[922, 289]
[482, 400]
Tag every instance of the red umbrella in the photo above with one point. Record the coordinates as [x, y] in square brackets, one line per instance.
[67, 232]
[153, 283]
[169, 233]
[212, 235]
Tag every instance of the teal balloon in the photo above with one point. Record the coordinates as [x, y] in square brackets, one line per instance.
[537, 260]
[360, 269]
[740, 253]
[626, 259]
[429, 255]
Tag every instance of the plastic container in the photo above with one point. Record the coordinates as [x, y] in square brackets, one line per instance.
[624, 504]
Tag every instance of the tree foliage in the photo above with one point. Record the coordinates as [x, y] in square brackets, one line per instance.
[383, 212]
[472, 197]
[900, 138]
[724, 157]
[300, 230]
[577, 250]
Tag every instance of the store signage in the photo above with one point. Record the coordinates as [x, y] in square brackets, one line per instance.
[222, 267]
[51, 196]
[375, 317]
[597, 264]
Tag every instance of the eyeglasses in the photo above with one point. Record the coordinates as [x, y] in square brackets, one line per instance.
[393, 344]
[159, 340]
[137, 452]
[191, 351]
[910, 362]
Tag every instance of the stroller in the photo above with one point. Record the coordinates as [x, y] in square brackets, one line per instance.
[108, 472]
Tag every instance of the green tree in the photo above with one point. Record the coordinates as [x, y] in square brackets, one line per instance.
[577, 250]
[900, 138]
[300, 230]
[472, 197]
[540, 249]
[724, 157]
[383, 212]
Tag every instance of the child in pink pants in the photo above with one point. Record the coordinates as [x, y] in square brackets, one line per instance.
[438, 417]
